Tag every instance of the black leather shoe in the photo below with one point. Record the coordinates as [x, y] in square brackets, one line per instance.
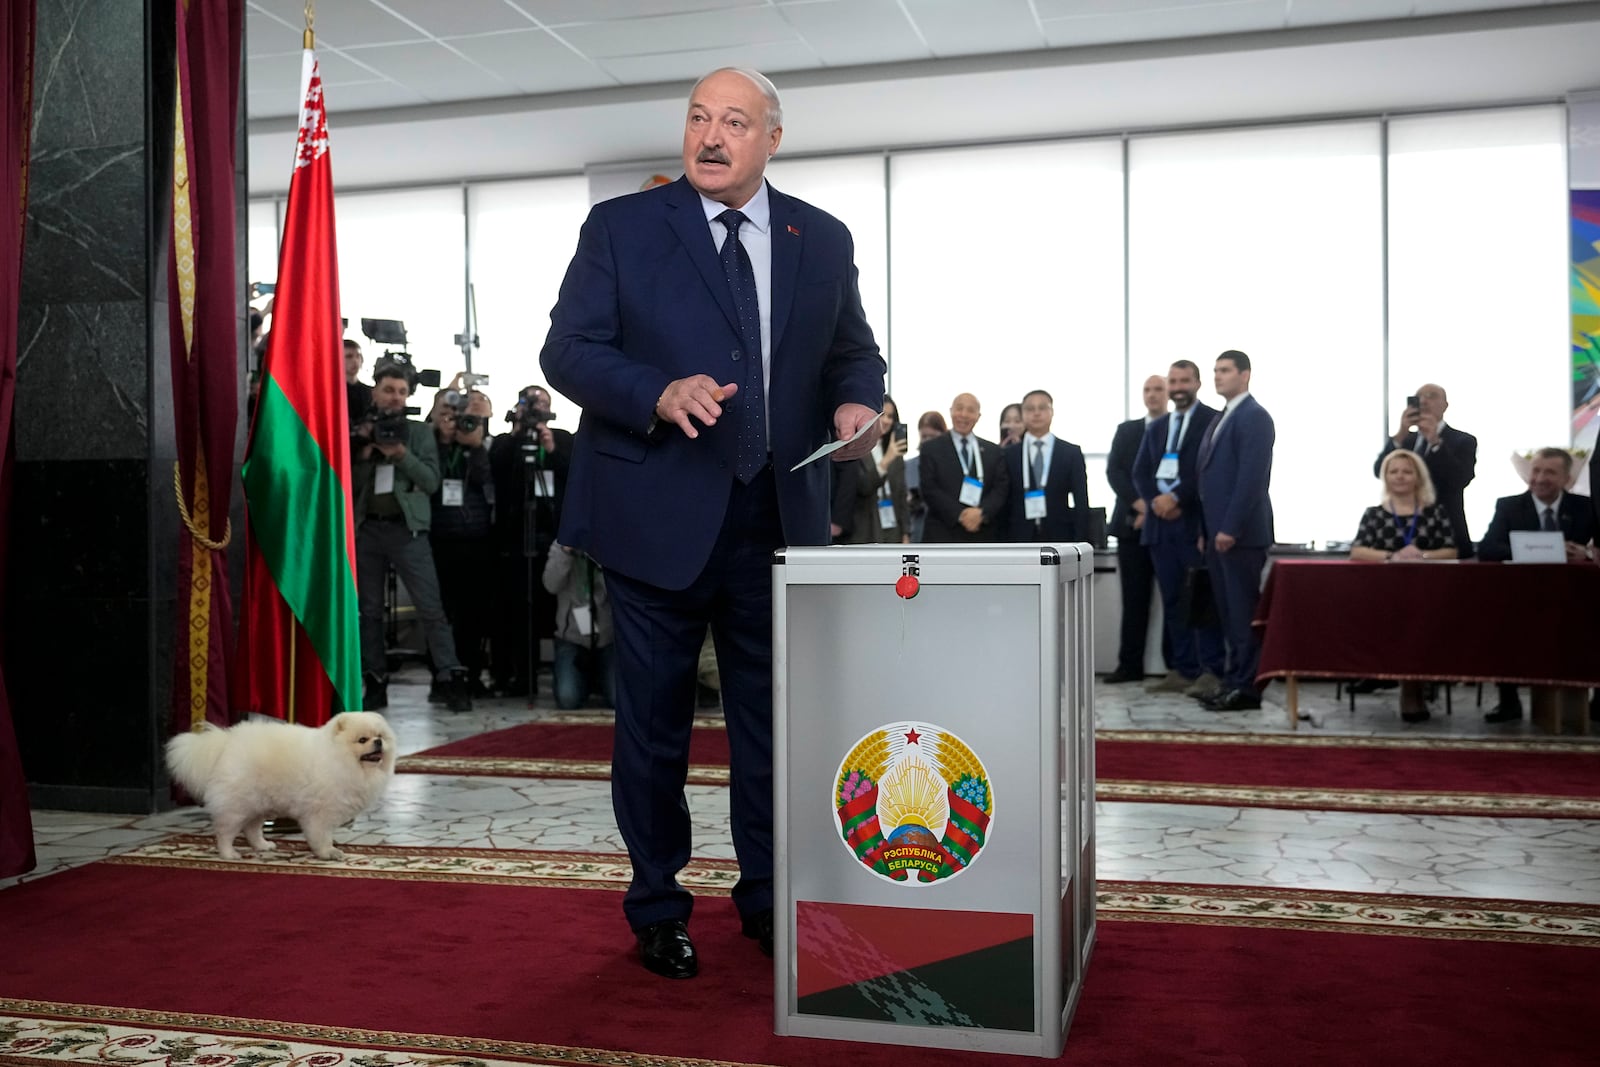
[1504, 713]
[376, 697]
[665, 949]
[1234, 700]
[758, 927]
[1415, 715]
[1119, 676]
[707, 697]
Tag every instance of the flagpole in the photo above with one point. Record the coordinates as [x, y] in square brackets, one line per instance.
[291, 667]
[308, 40]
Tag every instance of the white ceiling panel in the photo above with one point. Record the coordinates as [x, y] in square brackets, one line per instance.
[559, 12]
[265, 35]
[1056, 9]
[950, 29]
[458, 17]
[687, 66]
[1155, 25]
[366, 96]
[679, 33]
[432, 70]
[533, 61]
[850, 32]
[345, 22]
[1318, 12]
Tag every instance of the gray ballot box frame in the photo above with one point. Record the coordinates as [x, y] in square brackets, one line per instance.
[996, 649]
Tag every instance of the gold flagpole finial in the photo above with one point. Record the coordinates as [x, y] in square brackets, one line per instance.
[309, 38]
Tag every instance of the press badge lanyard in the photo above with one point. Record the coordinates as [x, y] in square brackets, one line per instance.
[1033, 506]
[452, 491]
[886, 519]
[972, 482]
[1411, 530]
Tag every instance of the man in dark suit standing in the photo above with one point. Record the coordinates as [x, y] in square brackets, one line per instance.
[1235, 477]
[1135, 574]
[1545, 506]
[685, 309]
[1049, 495]
[963, 481]
[1451, 455]
[1166, 474]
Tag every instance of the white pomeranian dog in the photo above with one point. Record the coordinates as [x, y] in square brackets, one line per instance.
[261, 770]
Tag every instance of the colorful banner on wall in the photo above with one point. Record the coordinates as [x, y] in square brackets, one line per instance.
[1583, 183]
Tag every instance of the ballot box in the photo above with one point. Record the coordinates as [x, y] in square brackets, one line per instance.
[933, 752]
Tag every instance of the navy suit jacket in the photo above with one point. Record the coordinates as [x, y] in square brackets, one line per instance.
[1067, 476]
[1520, 513]
[1236, 476]
[1119, 472]
[645, 302]
[1185, 528]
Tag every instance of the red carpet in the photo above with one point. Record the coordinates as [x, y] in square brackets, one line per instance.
[1434, 776]
[529, 971]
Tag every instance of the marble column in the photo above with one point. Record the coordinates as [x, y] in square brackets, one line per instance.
[92, 605]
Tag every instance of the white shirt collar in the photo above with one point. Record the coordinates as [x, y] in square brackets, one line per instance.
[1540, 505]
[1235, 402]
[1049, 440]
[758, 210]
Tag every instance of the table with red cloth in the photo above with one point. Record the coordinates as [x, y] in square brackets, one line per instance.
[1533, 624]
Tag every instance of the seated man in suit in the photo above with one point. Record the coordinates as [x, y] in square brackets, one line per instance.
[1451, 455]
[963, 480]
[1044, 472]
[1545, 506]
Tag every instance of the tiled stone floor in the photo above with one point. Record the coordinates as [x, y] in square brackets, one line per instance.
[1531, 859]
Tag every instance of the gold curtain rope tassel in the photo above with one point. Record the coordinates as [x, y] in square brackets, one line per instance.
[183, 509]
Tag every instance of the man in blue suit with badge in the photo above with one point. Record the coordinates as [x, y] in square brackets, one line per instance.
[712, 331]
[1235, 476]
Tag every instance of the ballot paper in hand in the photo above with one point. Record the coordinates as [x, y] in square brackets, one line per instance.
[834, 446]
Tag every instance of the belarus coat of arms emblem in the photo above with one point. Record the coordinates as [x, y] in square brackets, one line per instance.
[914, 803]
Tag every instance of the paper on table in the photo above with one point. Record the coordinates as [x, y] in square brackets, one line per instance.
[834, 446]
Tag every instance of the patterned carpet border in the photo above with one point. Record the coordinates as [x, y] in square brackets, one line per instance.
[1395, 801]
[1107, 790]
[1299, 909]
[1576, 745]
[48, 1032]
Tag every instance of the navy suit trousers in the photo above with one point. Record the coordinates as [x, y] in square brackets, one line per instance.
[1236, 585]
[658, 635]
[1193, 652]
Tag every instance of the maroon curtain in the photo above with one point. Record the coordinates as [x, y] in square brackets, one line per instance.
[16, 51]
[206, 343]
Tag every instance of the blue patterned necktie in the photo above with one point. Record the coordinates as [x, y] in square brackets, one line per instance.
[750, 453]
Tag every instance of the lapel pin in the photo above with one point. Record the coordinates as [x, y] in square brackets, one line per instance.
[794, 231]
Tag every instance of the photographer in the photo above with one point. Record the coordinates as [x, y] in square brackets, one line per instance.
[395, 466]
[529, 468]
[462, 519]
[583, 661]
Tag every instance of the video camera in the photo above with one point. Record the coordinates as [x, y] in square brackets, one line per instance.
[459, 399]
[393, 332]
[387, 429]
[529, 414]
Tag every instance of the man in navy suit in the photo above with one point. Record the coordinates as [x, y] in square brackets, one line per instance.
[1166, 474]
[712, 331]
[1235, 476]
[1045, 473]
[1545, 506]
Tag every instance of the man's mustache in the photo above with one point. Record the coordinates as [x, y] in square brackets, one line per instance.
[710, 155]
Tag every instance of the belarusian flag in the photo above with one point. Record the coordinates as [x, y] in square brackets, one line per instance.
[301, 633]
